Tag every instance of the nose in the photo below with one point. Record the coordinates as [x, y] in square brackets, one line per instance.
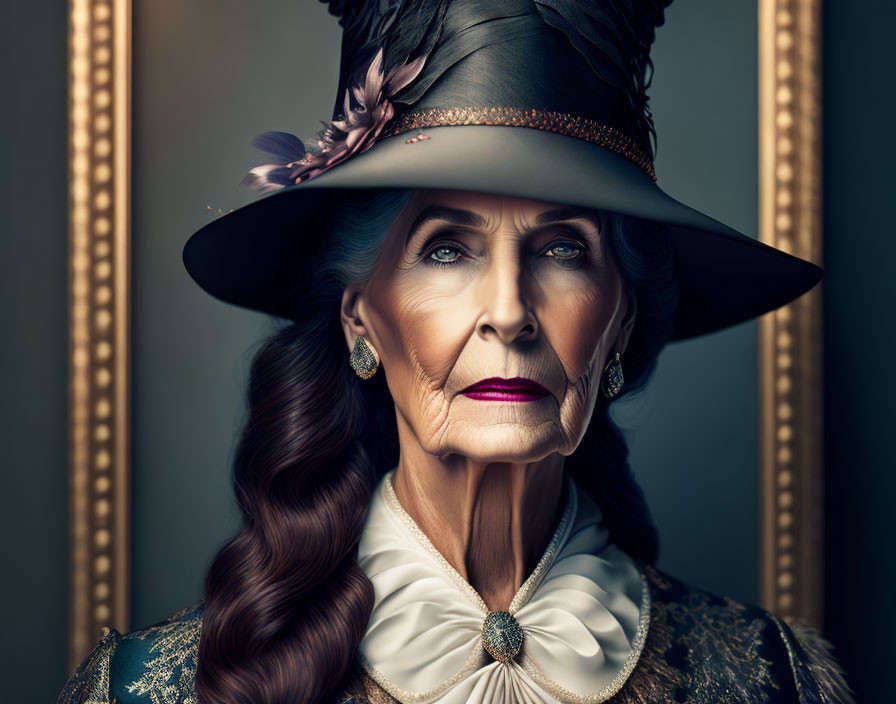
[506, 306]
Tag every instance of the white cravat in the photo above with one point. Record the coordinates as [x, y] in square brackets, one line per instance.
[584, 613]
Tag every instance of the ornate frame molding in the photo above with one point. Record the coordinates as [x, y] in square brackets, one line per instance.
[790, 339]
[99, 163]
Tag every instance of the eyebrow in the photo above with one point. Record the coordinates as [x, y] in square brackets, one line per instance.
[459, 216]
[452, 215]
[563, 214]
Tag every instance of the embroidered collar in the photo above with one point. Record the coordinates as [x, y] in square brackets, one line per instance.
[584, 614]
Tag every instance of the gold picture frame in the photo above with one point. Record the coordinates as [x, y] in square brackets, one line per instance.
[790, 339]
[99, 167]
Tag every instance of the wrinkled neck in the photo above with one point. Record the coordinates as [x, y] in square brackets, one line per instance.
[491, 521]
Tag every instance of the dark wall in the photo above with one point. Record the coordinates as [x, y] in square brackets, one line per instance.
[859, 300]
[693, 433]
[33, 352]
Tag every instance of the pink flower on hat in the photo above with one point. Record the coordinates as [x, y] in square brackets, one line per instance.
[354, 133]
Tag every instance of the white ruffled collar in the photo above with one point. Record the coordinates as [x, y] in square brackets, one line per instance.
[584, 614]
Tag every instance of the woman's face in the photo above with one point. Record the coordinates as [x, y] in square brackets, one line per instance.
[493, 317]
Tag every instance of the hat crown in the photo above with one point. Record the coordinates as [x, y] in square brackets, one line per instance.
[585, 58]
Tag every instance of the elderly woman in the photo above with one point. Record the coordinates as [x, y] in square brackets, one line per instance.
[469, 264]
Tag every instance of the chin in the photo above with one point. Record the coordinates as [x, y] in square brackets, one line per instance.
[504, 442]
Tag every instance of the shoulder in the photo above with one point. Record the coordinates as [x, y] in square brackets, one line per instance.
[707, 648]
[152, 664]
[815, 668]
[159, 661]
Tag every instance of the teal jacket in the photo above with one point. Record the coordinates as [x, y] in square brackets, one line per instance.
[700, 649]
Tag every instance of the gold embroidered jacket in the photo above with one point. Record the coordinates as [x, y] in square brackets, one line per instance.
[700, 649]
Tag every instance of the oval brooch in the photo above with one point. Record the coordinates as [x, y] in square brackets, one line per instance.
[502, 635]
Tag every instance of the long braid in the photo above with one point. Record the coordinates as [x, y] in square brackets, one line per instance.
[286, 602]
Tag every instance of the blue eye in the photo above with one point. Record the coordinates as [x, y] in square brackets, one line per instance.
[445, 255]
[564, 251]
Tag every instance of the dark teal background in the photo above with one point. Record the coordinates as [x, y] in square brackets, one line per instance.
[209, 75]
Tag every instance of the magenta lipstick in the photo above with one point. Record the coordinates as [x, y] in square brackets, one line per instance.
[496, 389]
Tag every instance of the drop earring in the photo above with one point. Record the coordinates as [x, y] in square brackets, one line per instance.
[364, 358]
[612, 379]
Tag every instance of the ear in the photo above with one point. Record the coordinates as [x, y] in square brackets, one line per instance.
[628, 321]
[350, 316]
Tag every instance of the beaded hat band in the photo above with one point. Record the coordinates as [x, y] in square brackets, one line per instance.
[560, 122]
[372, 118]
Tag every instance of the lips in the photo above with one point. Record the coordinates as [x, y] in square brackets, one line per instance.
[517, 389]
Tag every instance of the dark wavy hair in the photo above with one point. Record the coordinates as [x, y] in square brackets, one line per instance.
[286, 603]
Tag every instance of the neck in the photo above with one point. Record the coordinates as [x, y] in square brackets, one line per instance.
[491, 521]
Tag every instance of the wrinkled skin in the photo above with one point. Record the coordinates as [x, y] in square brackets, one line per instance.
[498, 295]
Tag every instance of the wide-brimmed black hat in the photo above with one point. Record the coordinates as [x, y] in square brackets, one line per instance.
[540, 99]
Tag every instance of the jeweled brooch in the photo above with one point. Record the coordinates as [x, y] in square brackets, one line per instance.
[502, 635]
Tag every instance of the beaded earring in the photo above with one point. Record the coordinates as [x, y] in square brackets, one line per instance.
[364, 358]
[611, 378]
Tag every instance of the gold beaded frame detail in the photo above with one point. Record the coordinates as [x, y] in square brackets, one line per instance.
[99, 49]
[790, 338]
[560, 122]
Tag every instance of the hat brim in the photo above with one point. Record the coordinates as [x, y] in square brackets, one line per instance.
[253, 256]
